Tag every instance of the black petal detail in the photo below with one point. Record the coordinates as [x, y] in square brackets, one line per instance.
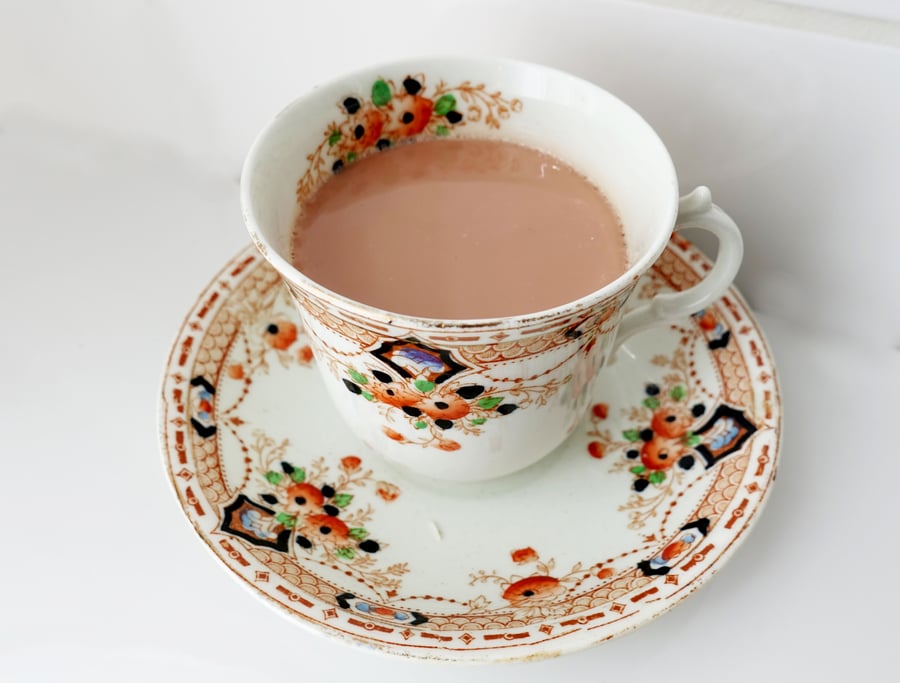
[470, 391]
[369, 546]
[411, 85]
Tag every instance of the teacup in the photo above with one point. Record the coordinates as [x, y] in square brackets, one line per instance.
[467, 400]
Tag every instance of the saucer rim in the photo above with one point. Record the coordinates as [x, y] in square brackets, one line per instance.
[249, 258]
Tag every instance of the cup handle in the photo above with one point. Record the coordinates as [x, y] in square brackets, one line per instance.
[695, 210]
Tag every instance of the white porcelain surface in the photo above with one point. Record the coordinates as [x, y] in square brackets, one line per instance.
[134, 116]
[543, 354]
[654, 490]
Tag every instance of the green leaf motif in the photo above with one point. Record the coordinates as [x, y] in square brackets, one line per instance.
[273, 477]
[351, 156]
[489, 402]
[334, 137]
[651, 402]
[358, 533]
[478, 420]
[298, 475]
[284, 518]
[446, 103]
[631, 435]
[381, 93]
[345, 553]
[357, 377]
[420, 425]
[678, 392]
[424, 385]
[442, 131]
[342, 500]
[692, 439]
[657, 477]
[367, 395]
[638, 469]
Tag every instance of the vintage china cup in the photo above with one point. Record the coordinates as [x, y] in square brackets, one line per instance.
[466, 400]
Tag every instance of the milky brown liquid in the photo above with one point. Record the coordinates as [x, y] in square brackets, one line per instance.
[456, 229]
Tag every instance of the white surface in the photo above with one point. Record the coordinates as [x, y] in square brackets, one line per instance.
[866, 19]
[122, 126]
[873, 21]
[878, 9]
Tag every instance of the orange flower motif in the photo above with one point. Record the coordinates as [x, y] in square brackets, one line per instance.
[391, 434]
[672, 422]
[533, 590]
[350, 463]
[305, 354]
[708, 320]
[305, 494]
[673, 550]
[360, 131]
[449, 445]
[600, 410]
[595, 448]
[411, 115]
[523, 555]
[397, 396]
[236, 371]
[443, 406]
[327, 528]
[605, 573]
[387, 491]
[281, 334]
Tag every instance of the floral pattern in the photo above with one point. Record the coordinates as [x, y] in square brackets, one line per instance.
[293, 504]
[536, 596]
[714, 330]
[300, 511]
[308, 510]
[428, 389]
[392, 112]
[670, 434]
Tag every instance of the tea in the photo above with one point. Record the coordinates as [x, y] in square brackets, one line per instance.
[460, 229]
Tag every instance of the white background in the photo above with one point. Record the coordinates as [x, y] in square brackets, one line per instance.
[122, 129]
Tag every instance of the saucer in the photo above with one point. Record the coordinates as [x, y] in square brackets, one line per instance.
[641, 505]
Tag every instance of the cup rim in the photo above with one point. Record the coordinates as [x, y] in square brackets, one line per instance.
[385, 317]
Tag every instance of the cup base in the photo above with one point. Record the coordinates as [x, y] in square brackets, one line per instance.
[474, 488]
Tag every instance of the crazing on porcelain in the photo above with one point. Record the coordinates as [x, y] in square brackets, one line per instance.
[685, 462]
